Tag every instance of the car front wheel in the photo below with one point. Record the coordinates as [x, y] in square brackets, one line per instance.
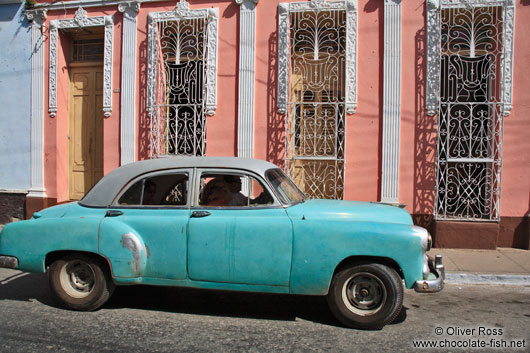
[80, 282]
[366, 296]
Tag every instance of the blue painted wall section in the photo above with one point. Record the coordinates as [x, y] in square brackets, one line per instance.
[15, 101]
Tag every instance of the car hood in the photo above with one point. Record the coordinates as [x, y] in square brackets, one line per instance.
[350, 211]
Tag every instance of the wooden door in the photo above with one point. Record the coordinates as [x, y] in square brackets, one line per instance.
[85, 129]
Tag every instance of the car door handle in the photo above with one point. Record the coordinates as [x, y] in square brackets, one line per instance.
[113, 213]
[200, 214]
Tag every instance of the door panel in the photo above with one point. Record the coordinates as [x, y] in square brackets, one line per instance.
[250, 246]
[148, 237]
[85, 129]
[161, 234]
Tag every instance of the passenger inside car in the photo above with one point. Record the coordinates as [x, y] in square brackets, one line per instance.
[215, 193]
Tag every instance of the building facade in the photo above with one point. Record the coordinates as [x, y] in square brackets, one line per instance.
[15, 82]
[421, 104]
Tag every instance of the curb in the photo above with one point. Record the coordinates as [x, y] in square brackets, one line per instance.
[484, 278]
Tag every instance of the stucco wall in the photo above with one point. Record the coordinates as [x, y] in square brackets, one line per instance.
[15, 81]
[363, 129]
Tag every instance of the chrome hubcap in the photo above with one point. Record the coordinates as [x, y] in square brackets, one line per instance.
[364, 294]
[77, 278]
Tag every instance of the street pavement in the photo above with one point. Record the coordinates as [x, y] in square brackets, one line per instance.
[164, 319]
[494, 313]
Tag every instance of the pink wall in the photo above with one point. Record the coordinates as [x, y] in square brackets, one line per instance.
[417, 153]
[363, 129]
[515, 198]
[269, 127]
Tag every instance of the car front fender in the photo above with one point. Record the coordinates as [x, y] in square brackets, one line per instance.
[319, 248]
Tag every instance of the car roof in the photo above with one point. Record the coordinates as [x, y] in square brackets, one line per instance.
[104, 192]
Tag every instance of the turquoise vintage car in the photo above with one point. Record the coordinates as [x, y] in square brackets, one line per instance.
[229, 224]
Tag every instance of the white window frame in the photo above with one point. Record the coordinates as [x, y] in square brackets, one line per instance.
[433, 8]
[183, 12]
[284, 10]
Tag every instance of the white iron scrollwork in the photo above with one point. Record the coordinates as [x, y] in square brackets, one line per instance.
[284, 9]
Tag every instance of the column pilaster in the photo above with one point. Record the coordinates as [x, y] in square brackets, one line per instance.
[247, 61]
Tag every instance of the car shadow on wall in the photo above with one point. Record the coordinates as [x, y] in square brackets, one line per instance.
[28, 287]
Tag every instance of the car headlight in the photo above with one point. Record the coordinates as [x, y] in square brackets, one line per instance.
[425, 237]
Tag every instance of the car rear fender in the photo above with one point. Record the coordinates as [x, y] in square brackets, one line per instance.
[30, 241]
[124, 248]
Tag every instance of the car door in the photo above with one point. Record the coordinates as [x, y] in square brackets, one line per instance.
[144, 232]
[236, 241]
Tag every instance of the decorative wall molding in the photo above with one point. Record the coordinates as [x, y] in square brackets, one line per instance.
[509, 28]
[283, 57]
[432, 51]
[128, 81]
[433, 8]
[350, 6]
[129, 9]
[74, 4]
[81, 20]
[391, 102]
[183, 11]
[240, 2]
[247, 61]
[38, 17]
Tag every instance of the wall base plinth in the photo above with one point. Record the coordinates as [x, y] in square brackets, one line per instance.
[35, 204]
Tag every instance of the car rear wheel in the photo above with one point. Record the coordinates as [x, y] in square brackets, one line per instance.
[367, 296]
[80, 282]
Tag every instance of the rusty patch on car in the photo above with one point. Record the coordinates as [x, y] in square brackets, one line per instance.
[131, 242]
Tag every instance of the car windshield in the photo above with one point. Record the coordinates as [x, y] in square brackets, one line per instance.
[284, 186]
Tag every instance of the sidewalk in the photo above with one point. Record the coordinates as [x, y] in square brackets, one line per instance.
[502, 266]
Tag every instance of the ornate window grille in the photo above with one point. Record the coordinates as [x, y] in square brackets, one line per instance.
[181, 83]
[470, 75]
[317, 53]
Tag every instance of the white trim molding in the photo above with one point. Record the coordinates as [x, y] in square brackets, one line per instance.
[37, 102]
[128, 80]
[81, 20]
[433, 8]
[182, 11]
[247, 62]
[391, 102]
[284, 9]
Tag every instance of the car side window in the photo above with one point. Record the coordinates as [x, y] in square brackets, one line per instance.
[232, 190]
[158, 190]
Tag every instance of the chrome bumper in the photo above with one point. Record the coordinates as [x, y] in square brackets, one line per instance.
[436, 284]
[8, 262]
